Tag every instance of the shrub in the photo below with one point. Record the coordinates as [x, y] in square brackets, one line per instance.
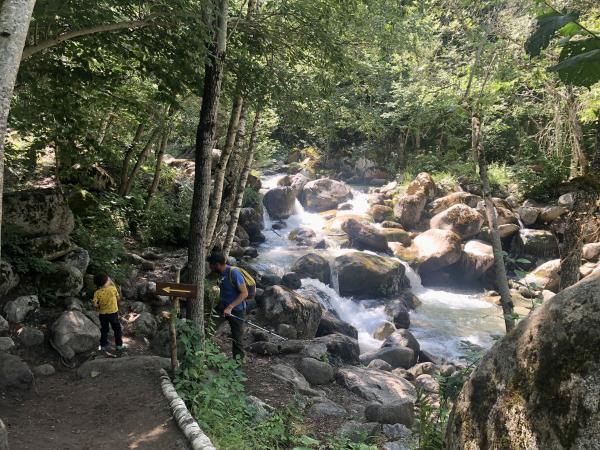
[166, 222]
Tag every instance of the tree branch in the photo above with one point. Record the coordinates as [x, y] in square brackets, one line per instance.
[43, 45]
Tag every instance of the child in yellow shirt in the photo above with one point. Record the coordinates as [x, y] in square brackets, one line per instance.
[106, 300]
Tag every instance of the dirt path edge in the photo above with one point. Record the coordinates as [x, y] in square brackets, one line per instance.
[186, 423]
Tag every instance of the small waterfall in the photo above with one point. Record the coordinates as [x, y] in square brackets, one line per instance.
[442, 321]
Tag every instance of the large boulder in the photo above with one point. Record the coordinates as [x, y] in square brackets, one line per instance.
[313, 265]
[546, 276]
[454, 198]
[591, 251]
[9, 279]
[423, 183]
[78, 258]
[365, 237]
[461, 219]
[437, 249]
[50, 247]
[73, 333]
[477, 259]
[64, 280]
[396, 235]
[537, 388]
[395, 356]
[252, 221]
[403, 338]
[331, 324]
[381, 213]
[408, 209]
[531, 243]
[324, 194]
[528, 214]
[16, 310]
[335, 348]
[315, 371]
[367, 275]
[14, 372]
[38, 212]
[376, 385]
[281, 305]
[280, 202]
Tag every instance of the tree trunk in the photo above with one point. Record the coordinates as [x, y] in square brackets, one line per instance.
[579, 160]
[500, 269]
[596, 161]
[15, 16]
[585, 197]
[235, 214]
[221, 169]
[106, 123]
[205, 139]
[234, 168]
[127, 159]
[157, 167]
[140, 161]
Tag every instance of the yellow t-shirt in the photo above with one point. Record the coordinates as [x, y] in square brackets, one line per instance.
[106, 300]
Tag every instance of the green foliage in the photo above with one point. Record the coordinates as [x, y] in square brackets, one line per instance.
[547, 27]
[166, 221]
[252, 199]
[431, 423]
[579, 59]
[212, 386]
[538, 178]
[15, 250]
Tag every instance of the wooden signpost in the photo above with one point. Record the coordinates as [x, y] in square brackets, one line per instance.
[171, 289]
[175, 290]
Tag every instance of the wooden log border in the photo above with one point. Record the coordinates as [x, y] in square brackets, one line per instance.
[189, 427]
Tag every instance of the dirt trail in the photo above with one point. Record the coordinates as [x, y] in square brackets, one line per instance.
[111, 412]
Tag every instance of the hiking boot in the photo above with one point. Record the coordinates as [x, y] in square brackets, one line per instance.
[121, 348]
[104, 348]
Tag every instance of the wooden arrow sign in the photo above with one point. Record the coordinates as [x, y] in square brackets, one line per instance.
[175, 289]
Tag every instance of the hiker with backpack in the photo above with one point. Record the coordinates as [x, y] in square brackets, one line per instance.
[236, 285]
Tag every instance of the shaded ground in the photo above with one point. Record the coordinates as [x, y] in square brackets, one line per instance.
[120, 411]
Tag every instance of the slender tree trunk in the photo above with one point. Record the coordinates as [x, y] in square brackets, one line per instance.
[585, 197]
[205, 139]
[221, 169]
[500, 269]
[15, 16]
[596, 161]
[235, 214]
[234, 169]
[579, 160]
[160, 153]
[106, 123]
[140, 161]
[127, 159]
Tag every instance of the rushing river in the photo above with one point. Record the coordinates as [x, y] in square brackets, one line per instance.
[441, 323]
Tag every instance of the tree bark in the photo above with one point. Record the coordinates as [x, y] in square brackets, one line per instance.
[585, 196]
[140, 161]
[106, 123]
[205, 139]
[160, 153]
[596, 161]
[500, 269]
[221, 169]
[234, 168]
[15, 16]
[579, 160]
[127, 158]
[33, 49]
[235, 214]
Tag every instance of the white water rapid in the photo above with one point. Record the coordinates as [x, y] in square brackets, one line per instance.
[441, 323]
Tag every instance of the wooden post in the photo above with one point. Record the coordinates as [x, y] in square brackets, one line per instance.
[173, 326]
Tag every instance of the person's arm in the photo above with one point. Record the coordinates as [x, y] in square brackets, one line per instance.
[243, 295]
[95, 300]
